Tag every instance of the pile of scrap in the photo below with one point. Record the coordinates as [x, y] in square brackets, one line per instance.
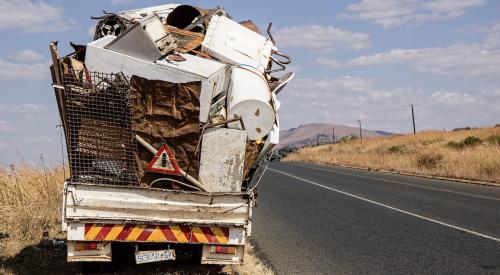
[172, 96]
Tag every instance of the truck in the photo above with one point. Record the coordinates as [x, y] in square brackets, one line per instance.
[170, 114]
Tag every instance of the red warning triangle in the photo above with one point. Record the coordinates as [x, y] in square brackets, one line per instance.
[164, 162]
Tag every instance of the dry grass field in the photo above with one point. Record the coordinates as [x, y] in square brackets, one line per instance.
[30, 203]
[465, 154]
[30, 206]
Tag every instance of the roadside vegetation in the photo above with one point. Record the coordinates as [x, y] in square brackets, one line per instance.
[30, 223]
[472, 154]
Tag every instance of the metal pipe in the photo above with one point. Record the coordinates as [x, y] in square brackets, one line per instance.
[269, 32]
[184, 174]
[224, 122]
[176, 181]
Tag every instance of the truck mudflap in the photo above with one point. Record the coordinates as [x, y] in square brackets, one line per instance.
[192, 234]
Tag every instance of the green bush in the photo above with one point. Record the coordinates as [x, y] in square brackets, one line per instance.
[493, 139]
[472, 141]
[396, 149]
[456, 145]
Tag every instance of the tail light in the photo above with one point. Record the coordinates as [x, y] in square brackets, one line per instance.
[219, 249]
[80, 246]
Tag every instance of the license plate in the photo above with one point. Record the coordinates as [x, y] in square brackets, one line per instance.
[142, 257]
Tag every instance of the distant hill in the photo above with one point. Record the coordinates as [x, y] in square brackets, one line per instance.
[312, 133]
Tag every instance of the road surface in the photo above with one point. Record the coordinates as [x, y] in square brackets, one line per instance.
[314, 219]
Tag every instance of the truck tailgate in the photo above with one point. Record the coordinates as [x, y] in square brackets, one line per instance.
[88, 203]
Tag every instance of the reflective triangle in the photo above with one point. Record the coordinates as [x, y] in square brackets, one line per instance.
[164, 162]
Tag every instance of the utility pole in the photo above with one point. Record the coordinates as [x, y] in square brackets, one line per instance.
[413, 118]
[360, 134]
[333, 135]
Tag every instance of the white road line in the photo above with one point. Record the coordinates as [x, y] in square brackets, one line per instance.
[403, 183]
[390, 207]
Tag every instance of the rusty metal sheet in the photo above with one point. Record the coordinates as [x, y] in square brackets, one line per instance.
[222, 159]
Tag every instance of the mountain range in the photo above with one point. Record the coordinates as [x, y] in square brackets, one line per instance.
[313, 133]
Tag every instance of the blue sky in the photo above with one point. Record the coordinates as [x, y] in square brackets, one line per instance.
[354, 59]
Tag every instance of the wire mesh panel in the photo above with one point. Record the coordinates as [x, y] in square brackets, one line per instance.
[101, 143]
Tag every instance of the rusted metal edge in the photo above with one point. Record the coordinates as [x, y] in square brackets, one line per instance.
[57, 78]
[208, 194]
[109, 220]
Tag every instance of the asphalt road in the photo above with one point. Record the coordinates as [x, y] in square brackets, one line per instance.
[314, 219]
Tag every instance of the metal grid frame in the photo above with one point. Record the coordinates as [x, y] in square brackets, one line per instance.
[101, 143]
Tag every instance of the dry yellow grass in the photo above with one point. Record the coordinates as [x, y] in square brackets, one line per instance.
[252, 265]
[30, 204]
[435, 153]
[30, 201]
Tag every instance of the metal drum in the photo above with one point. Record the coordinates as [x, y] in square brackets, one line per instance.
[249, 98]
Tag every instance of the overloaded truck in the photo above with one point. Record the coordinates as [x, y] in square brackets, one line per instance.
[169, 116]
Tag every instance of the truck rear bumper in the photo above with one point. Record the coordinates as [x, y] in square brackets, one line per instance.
[193, 234]
[215, 224]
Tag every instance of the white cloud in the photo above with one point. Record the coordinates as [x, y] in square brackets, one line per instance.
[4, 125]
[30, 16]
[392, 13]
[344, 99]
[493, 35]
[457, 59]
[451, 98]
[329, 62]
[461, 59]
[26, 55]
[321, 38]
[27, 108]
[328, 87]
[35, 71]
[119, 2]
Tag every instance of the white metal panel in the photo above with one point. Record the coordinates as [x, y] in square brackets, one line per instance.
[249, 98]
[222, 259]
[231, 42]
[222, 159]
[162, 11]
[236, 236]
[101, 255]
[194, 68]
[93, 203]
[75, 232]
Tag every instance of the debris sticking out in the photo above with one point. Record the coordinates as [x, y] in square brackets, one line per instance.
[180, 77]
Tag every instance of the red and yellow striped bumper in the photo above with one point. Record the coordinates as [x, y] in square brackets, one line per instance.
[163, 233]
